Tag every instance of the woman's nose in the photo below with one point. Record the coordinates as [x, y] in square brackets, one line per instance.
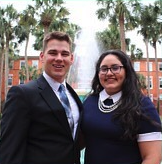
[109, 71]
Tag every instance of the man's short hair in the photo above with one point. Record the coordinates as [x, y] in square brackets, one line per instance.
[61, 36]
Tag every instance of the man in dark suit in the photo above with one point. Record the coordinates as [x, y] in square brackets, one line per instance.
[34, 126]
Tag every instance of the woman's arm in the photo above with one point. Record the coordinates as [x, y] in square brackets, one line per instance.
[151, 151]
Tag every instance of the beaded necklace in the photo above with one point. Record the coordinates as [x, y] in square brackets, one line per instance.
[108, 108]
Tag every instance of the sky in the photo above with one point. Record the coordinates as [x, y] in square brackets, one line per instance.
[83, 14]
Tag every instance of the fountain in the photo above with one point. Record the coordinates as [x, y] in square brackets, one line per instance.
[86, 54]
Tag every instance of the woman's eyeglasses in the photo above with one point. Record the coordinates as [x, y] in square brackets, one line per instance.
[114, 69]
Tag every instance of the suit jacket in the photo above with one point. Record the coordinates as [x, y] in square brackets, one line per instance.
[34, 127]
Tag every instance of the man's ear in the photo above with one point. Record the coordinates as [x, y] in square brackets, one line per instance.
[72, 58]
[41, 57]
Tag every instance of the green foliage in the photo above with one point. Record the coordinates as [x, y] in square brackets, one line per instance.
[142, 81]
[135, 53]
[120, 13]
[39, 35]
[151, 26]
[52, 16]
[22, 74]
[34, 73]
[109, 39]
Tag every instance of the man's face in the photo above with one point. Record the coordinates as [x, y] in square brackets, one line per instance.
[57, 59]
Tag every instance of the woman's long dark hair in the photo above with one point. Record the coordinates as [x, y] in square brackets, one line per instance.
[129, 112]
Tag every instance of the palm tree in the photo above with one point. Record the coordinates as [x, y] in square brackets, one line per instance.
[145, 23]
[149, 28]
[120, 11]
[109, 38]
[71, 29]
[156, 36]
[7, 36]
[39, 35]
[52, 16]
[26, 23]
[2, 49]
[13, 53]
[51, 13]
[10, 16]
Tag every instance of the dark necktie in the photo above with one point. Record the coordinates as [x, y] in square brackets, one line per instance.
[66, 105]
[108, 102]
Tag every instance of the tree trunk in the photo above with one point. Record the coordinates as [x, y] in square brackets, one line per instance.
[6, 68]
[157, 77]
[26, 59]
[46, 30]
[148, 69]
[122, 33]
[1, 75]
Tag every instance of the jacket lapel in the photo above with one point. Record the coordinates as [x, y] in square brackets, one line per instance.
[53, 102]
[80, 107]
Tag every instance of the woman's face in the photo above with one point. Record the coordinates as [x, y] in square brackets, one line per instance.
[112, 79]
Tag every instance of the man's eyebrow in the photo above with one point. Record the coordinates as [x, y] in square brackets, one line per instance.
[66, 51]
[53, 50]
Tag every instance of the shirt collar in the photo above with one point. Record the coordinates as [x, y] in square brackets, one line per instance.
[103, 96]
[54, 84]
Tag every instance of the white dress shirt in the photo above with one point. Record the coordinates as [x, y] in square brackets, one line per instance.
[74, 107]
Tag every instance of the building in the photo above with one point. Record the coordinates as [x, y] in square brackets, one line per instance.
[140, 66]
[15, 67]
